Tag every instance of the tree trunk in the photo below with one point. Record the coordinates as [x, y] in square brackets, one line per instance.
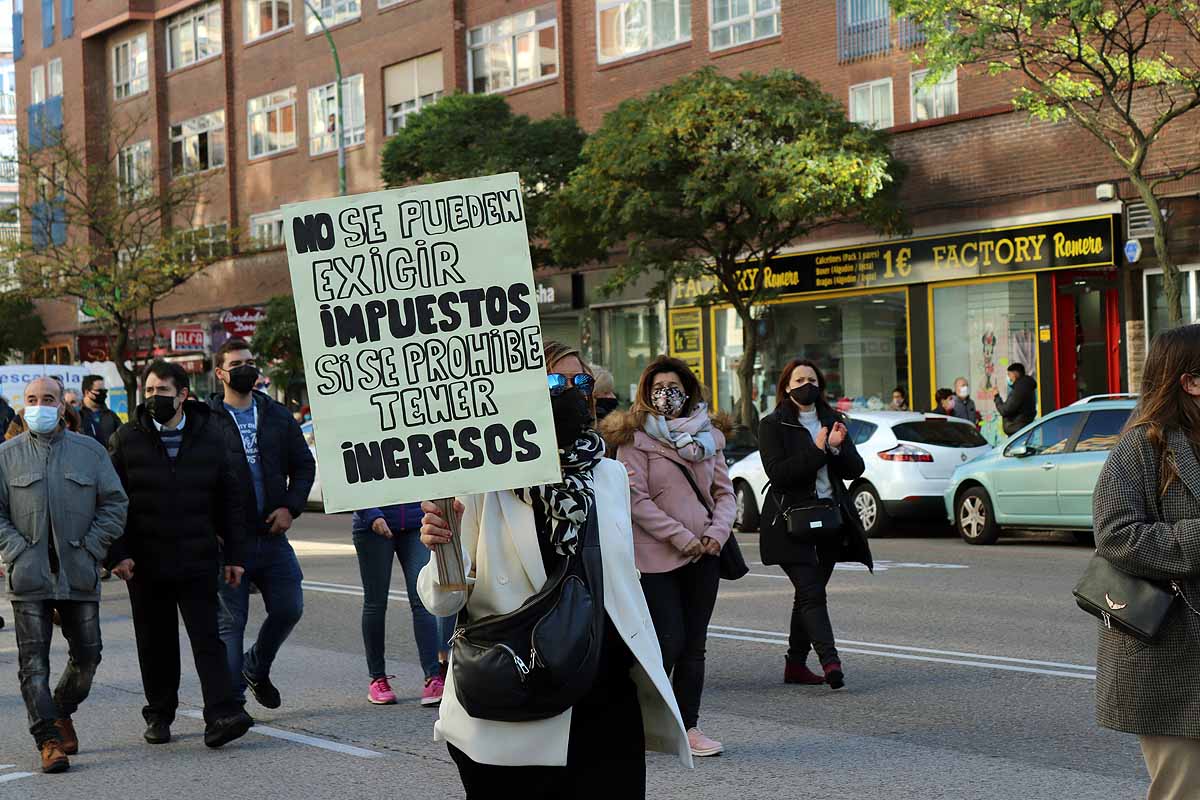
[1172, 279]
[745, 408]
[128, 376]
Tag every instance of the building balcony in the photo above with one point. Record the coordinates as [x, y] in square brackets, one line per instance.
[8, 170]
[8, 104]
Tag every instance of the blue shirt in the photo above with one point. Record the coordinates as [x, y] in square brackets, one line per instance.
[247, 423]
[402, 517]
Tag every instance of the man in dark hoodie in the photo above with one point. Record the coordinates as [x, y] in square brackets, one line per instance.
[176, 463]
[1020, 407]
[279, 471]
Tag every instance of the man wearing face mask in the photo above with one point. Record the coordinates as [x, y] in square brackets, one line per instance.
[175, 460]
[605, 394]
[97, 420]
[280, 472]
[964, 405]
[61, 508]
[1020, 407]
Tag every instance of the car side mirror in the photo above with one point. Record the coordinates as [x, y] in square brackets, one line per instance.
[1023, 451]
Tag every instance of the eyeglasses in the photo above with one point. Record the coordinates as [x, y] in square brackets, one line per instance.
[559, 383]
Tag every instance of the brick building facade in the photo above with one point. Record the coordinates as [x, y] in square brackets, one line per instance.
[242, 89]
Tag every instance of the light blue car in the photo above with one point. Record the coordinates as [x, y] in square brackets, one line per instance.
[1042, 477]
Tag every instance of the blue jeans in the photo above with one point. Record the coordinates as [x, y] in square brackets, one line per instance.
[81, 627]
[375, 567]
[271, 565]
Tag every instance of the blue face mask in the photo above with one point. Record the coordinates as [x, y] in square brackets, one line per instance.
[1010, 383]
[41, 419]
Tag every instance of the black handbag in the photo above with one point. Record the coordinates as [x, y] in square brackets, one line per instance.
[540, 660]
[1123, 602]
[733, 564]
[813, 520]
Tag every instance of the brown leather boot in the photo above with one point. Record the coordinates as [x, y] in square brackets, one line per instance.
[67, 736]
[53, 758]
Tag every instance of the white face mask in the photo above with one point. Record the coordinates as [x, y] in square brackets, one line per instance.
[964, 392]
[41, 419]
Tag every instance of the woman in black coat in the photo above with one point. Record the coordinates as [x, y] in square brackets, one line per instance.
[807, 454]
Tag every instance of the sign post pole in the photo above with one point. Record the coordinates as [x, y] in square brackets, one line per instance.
[451, 571]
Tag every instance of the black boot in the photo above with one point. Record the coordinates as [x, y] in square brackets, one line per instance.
[157, 732]
[221, 732]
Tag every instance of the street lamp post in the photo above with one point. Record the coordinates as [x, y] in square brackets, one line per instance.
[337, 68]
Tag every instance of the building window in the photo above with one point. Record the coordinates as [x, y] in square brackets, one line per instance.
[628, 27]
[322, 115]
[333, 12]
[735, 22]
[938, 100]
[54, 77]
[513, 51]
[37, 85]
[264, 17]
[130, 68]
[198, 144]
[194, 35]
[47, 23]
[864, 28]
[410, 86]
[628, 338]
[871, 104]
[272, 122]
[135, 173]
[1157, 317]
[206, 241]
[266, 230]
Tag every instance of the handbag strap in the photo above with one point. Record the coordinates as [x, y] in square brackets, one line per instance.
[1179, 591]
[687, 473]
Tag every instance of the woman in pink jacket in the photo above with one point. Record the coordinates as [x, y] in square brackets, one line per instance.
[683, 508]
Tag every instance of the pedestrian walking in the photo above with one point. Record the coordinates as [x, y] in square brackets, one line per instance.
[512, 540]
[279, 471]
[381, 535]
[61, 508]
[176, 462]
[71, 398]
[964, 406]
[683, 511]
[96, 419]
[807, 455]
[1020, 407]
[1146, 504]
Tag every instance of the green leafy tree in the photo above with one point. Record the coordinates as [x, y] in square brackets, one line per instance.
[1124, 71]
[712, 176]
[277, 339]
[470, 135]
[21, 329]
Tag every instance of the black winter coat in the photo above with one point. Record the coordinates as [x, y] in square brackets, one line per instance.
[100, 425]
[791, 460]
[288, 465]
[1020, 407]
[177, 510]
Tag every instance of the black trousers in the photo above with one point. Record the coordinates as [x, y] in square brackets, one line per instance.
[681, 604]
[811, 626]
[157, 606]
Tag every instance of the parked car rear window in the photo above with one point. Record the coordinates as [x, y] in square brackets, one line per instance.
[860, 431]
[1102, 430]
[940, 433]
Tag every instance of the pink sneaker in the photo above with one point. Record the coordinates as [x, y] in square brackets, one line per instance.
[434, 687]
[381, 693]
[703, 746]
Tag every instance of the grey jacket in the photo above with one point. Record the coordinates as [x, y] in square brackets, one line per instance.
[64, 485]
[1151, 689]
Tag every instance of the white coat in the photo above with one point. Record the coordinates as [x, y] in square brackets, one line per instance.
[500, 545]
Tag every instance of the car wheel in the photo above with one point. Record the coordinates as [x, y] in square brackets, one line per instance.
[1085, 537]
[746, 520]
[871, 513]
[974, 517]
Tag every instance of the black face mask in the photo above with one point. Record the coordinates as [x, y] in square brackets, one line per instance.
[806, 395]
[571, 417]
[161, 408]
[100, 396]
[605, 406]
[243, 378]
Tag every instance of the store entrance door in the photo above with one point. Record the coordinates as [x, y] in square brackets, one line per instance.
[1087, 329]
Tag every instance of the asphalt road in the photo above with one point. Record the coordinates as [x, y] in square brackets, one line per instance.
[970, 675]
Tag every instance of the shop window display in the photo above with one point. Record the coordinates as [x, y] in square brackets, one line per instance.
[629, 337]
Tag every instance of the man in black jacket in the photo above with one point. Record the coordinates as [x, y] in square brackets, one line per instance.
[279, 471]
[184, 487]
[1020, 407]
[96, 420]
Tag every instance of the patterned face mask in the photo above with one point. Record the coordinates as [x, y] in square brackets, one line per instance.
[668, 400]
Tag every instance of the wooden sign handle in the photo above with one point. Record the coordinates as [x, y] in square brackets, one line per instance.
[452, 575]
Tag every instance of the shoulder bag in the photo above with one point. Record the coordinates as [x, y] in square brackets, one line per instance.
[812, 520]
[1134, 606]
[540, 660]
[733, 563]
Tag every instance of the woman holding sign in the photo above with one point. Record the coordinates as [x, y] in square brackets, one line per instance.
[512, 542]
[683, 511]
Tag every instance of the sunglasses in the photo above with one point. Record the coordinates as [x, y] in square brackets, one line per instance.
[559, 383]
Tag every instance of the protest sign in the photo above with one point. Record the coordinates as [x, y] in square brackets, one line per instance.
[422, 346]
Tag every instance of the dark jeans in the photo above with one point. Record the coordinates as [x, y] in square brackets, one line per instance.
[375, 566]
[34, 626]
[681, 604]
[606, 757]
[271, 565]
[157, 606]
[811, 627]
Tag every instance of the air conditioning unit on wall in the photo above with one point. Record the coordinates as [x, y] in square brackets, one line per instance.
[1139, 224]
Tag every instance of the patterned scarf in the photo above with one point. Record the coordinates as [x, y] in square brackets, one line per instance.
[691, 437]
[566, 505]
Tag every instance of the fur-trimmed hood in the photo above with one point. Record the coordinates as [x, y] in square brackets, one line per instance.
[620, 427]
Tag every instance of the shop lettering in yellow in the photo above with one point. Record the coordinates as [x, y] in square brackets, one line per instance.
[969, 255]
[1071, 248]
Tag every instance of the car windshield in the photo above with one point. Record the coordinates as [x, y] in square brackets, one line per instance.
[940, 433]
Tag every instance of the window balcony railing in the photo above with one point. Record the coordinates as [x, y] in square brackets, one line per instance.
[865, 29]
[8, 104]
[8, 171]
[10, 232]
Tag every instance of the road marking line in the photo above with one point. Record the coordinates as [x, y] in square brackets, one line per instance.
[7, 766]
[345, 588]
[300, 738]
[906, 648]
[15, 776]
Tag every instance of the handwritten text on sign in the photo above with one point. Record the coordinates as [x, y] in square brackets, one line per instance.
[419, 326]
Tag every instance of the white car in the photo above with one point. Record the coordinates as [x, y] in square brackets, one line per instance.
[315, 498]
[909, 457]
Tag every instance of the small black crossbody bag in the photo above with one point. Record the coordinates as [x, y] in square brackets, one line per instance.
[1134, 606]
